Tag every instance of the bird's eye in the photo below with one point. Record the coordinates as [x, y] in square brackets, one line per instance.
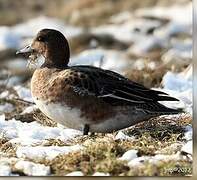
[40, 39]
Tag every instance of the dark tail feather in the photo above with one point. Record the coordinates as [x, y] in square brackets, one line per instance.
[165, 110]
[173, 111]
[156, 108]
[166, 98]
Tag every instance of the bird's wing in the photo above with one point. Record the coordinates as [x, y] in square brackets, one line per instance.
[113, 88]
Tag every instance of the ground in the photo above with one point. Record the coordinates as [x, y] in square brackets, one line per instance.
[150, 44]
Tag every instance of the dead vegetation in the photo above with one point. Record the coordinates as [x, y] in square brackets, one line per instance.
[7, 148]
[101, 153]
[73, 11]
[148, 77]
[169, 168]
[42, 119]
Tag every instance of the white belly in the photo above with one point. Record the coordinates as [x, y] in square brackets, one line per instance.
[69, 117]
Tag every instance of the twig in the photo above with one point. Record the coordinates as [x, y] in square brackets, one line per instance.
[24, 101]
[101, 61]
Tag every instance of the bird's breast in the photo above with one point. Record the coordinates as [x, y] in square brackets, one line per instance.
[63, 114]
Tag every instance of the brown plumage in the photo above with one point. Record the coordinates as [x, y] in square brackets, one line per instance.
[86, 97]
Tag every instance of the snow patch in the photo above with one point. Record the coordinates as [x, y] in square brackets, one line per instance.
[48, 152]
[8, 38]
[6, 108]
[100, 174]
[23, 93]
[179, 13]
[29, 109]
[75, 173]
[122, 136]
[129, 155]
[129, 31]
[188, 147]
[177, 82]
[32, 169]
[106, 59]
[153, 159]
[33, 133]
[5, 169]
[17, 36]
[31, 27]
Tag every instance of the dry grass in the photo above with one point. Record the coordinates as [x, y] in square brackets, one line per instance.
[106, 41]
[18, 108]
[7, 148]
[100, 152]
[55, 142]
[11, 12]
[79, 12]
[42, 119]
[169, 168]
[148, 77]
[98, 155]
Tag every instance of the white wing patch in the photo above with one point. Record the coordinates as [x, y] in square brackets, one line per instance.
[117, 97]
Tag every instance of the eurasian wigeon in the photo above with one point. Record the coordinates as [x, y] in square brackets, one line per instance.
[88, 98]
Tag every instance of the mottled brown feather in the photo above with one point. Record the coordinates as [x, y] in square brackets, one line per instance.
[53, 86]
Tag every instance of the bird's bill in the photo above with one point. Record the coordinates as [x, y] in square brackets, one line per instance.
[26, 49]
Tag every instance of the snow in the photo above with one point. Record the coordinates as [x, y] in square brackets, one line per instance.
[122, 136]
[5, 169]
[130, 28]
[134, 29]
[171, 148]
[29, 109]
[13, 80]
[32, 169]
[179, 55]
[120, 17]
[4, 94]
[8, 165]
[106, 59]
[75, 173]
[188, 135]
[33, 133]
[17, 36]
[160, 157]
[129, 155]
[153, 159]
[179, 85]
[6, 108]
[23, 93]
[180, 13]
[32, 26]
[185, 100]
[100, 174]
[188, 147]
[177, 82]
[16, 65]
[8, 38]
[126, 32]
[145, 44]
[45, 152]
[68, 134]
[138, 161]
[7, 79]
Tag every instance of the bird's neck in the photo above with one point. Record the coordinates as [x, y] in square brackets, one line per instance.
[55, 61]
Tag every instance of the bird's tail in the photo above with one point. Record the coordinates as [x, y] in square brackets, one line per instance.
[160, 109]
[166, 110]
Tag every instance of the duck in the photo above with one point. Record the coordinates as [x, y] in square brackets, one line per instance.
[88, 98]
